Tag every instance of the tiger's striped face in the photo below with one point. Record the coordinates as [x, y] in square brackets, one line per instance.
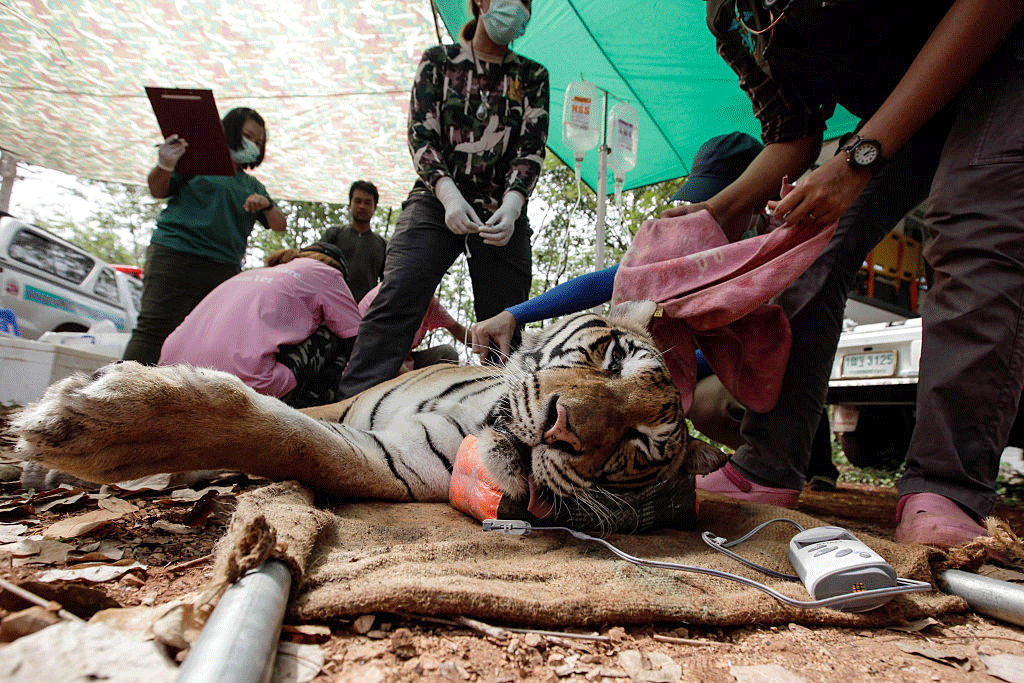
[590, 407]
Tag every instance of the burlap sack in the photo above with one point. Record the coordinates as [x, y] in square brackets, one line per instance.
[429, 559]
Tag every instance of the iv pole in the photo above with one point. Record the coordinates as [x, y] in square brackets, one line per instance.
[602, 184]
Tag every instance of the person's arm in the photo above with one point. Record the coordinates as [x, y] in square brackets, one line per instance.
[424, 131]
[528, 158]
[276, 220]
[159, 181]
[967, 37]
[760, 182]
[426, 142]
[577, 294]
[791, 127]
[458, 331]
[530, 148]
[266, 211]
[383, 252]
[341, 313]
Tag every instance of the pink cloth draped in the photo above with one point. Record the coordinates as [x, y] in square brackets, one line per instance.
[714, 295]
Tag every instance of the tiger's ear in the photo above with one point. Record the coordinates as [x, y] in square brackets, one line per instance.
[635, 313]
[702, 458]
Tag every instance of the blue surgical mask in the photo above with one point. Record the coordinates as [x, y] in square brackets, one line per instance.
[505, 20]
[248, 155]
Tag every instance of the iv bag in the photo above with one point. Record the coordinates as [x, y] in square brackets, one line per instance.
[622, 137]
[581, 117]
[623, 127]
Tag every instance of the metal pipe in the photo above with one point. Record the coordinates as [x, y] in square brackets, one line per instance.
[239, 642]
[993, 597]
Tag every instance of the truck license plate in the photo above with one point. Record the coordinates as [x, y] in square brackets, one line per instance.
[879, 364]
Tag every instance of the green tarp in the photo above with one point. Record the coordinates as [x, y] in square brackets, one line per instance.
[656, 54]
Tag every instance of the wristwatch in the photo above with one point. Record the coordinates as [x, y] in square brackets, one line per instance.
[862, 152]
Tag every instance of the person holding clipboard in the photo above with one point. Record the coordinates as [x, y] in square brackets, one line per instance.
[202, 232]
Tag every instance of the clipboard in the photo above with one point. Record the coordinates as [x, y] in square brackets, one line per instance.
[192, 114]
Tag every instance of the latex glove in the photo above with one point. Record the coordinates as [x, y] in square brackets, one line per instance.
[459, 215]
[499, 227]
[498, 330]
[172, 149]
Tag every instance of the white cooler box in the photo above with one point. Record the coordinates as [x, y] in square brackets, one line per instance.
[109, 344]
[67, 360]
[28, 367]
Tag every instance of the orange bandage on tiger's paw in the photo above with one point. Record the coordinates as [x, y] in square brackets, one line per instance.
[472, 489]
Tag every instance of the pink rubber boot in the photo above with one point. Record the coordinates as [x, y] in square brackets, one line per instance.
[728, 482]
[931, 519]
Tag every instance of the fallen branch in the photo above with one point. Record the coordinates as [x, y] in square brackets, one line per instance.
[486, 629]
[561, 634]
[501, 631]
[189, 563]
[51, 605]
[686, 641]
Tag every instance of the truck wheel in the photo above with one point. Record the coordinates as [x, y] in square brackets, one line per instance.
[71, 327]
[881, 438]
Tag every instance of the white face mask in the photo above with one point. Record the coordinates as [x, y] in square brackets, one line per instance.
[505, 20]
[248, 155]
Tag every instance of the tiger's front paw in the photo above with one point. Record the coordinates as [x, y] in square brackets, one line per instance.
[126, 420]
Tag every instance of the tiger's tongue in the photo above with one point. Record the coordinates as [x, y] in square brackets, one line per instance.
[538, 506]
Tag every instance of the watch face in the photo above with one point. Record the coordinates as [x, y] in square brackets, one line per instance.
[864, 153]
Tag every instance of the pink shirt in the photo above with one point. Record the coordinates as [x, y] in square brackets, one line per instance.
[435, 317]
[240, 326]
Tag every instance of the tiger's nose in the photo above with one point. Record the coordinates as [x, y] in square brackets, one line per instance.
[562, 431]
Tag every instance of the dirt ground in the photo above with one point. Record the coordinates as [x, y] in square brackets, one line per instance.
[172, 532]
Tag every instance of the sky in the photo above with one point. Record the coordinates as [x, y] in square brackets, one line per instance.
[40, 192]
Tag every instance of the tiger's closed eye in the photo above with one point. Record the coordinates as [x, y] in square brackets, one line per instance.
[618, 355]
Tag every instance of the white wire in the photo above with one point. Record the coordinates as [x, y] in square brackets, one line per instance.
[905, 585]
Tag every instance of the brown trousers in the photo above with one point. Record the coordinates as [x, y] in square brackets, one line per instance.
[972, 361]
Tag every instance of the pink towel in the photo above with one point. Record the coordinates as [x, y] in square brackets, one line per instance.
[714, 296]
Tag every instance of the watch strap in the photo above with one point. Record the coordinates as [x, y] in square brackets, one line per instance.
[850, 140]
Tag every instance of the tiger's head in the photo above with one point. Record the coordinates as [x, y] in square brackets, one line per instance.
[590, 412]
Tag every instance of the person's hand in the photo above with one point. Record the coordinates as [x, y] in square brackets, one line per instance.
[498, 330]
[499, 227]
[822, 196]
[684, 209]
[459, 215]
[172, 149]
[733, 225]
[255, 202]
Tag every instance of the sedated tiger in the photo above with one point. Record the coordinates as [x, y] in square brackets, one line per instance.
[584, 414]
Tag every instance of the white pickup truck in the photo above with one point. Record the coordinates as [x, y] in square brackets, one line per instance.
[873, 388]
[55, 286]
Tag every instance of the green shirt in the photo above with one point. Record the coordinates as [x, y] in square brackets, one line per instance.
[204, 216]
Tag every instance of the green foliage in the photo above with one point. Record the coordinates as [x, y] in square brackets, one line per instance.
[118, 229]
[307, 222]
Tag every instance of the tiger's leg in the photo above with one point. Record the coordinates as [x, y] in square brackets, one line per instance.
[130, 420]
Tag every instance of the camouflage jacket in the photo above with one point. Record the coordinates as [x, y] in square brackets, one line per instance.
[483, 124]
